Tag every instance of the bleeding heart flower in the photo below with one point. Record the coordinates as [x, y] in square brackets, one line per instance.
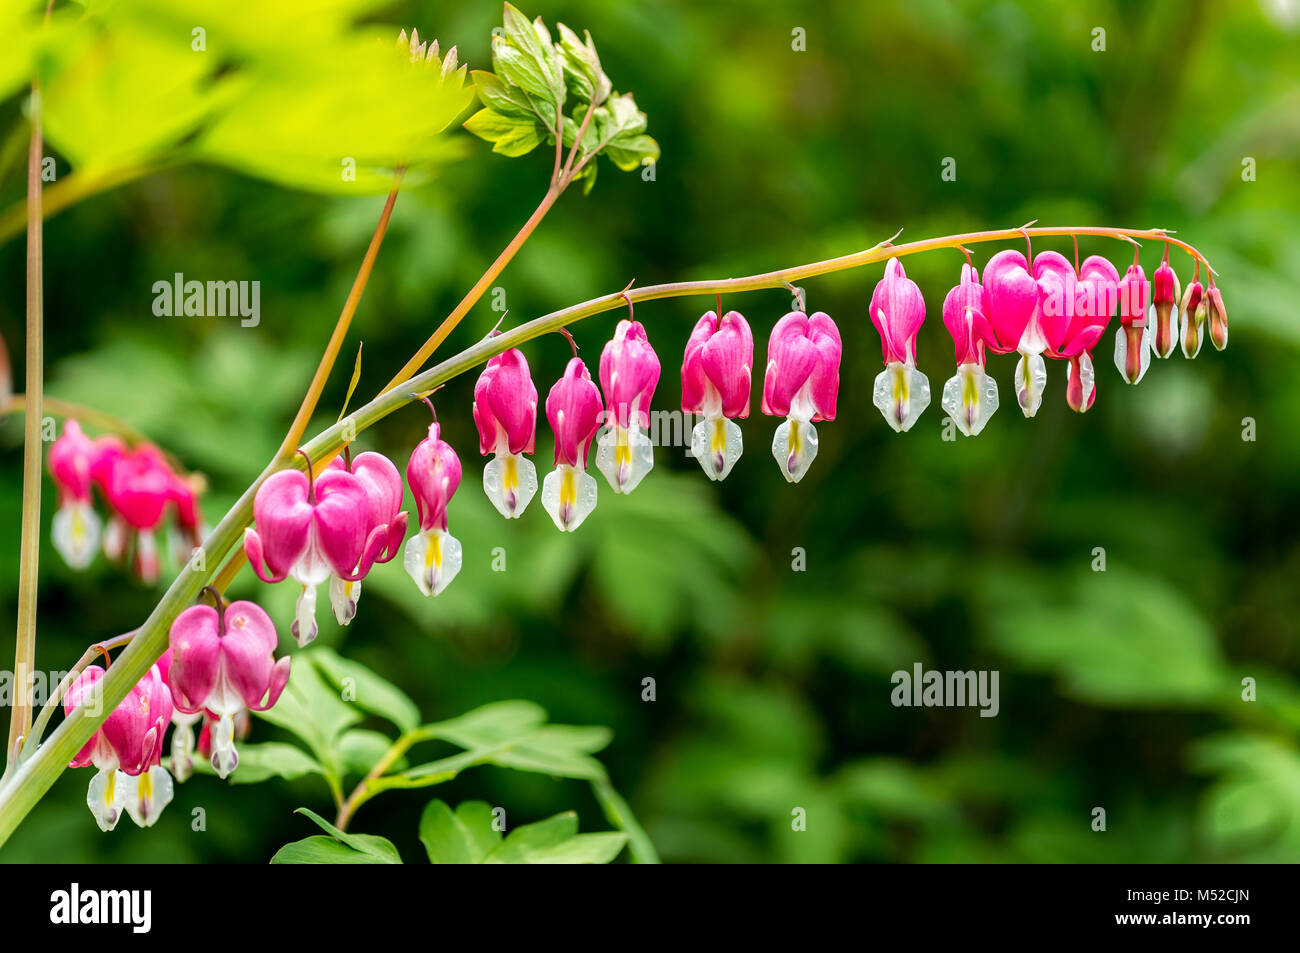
[223, 661]
[308, 528]
[970, 397]
[138, 485]
[433, 556]
[629, 373]
[716, 377]
[382, 484]
[1013, 297]
[802, 384]
[1094, 305]
[1133, 338]
[574, 410]
[76, 528]
[901, 392]
[126, 748]
[505, 410]
[181, 760]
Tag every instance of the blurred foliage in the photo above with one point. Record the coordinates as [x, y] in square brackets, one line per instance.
[1120, 689]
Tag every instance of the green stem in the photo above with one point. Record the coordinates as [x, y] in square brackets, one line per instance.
[30, 547]
[619, 813]
[34, 777]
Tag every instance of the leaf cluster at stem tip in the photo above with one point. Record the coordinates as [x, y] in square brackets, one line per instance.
[525, 96]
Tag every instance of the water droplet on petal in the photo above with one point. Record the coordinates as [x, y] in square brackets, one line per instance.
[716, 442]
[625, 456]
[901, 394]
[510, 482]
[795, 446]
[569, 495]
[970, 398]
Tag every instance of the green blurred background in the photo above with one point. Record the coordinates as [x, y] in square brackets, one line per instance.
[1120, 689]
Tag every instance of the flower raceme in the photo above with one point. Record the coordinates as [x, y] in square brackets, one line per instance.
[801, 383]
[126, 749]
[716, 372]
[505, 411]
[433, 556]
[574, 410]
[221, 662]
[140, 489]
[308, 529]
[382, 485]
[629, 374]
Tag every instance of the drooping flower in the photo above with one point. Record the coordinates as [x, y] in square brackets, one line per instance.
[308, 528]
[1013, 297]
[76, 527]
[1164, 308]
[1192, 312]
[1133, 337]
[574, 410]
[1218, 316]
[505, 410]
[629, 374]
[970, 397]
[138, 485]
[382, 484]
[433, 556]
[189, 520]
[801, 384]
[223, 662]
[901, 392]
[126, 748]
[716, 376]
[1095, 301]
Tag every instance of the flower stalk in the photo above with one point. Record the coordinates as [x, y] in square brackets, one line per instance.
[24, 787]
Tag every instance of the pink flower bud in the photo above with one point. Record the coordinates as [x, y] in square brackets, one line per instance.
[803, 368]
[717, 367]
[432, 556]
[1192, 311]
[308, 529]
[897, 311]
[1164, 303]
[965, 317]
[1133, 339]
[224, 662]
[573, 408]
[505, 405]
[629, 373]
[126, 748]
[1218, 316]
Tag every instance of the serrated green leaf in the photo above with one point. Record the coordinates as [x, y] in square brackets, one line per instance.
[500, 97]
[509, 135]
[532, 39]
[467, 836]
[365, 689]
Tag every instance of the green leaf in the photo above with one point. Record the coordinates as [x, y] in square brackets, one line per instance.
[490, 724]
[632, 153]
[319, 849]
[360, 750]
[537, 62]
[510, 135]
[464, 837]
[500, 97]
[365, 689]
[587, 81]
[379, 848]
[271, 759]
[556, 841]
[313, 711]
